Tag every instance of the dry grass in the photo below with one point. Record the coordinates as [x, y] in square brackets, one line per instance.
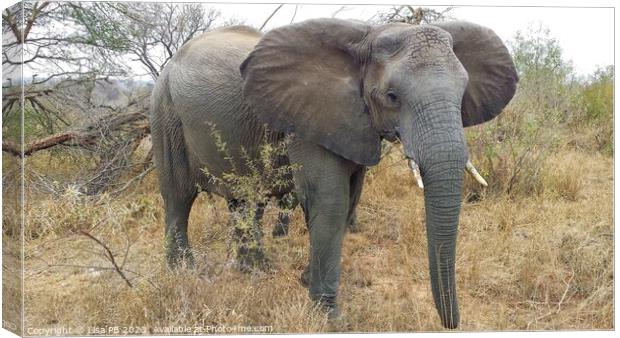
[11, 248]
[539, 261]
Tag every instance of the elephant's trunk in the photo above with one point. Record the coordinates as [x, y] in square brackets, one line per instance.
[433, 137]
[442, 197]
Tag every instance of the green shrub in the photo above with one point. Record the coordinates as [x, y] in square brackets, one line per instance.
[592, 121]
[596, 97]
[252, 187]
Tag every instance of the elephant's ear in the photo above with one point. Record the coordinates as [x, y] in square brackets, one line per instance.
[305, 79]
[492, 74]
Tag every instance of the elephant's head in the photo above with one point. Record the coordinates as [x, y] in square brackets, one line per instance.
[346, 84]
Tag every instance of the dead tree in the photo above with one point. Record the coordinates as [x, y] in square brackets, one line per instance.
[411, 15]
[66, 66]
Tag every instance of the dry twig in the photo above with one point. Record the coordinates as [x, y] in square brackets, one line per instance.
[109, 256]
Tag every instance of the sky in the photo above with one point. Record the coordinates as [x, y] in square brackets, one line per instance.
[586, 35]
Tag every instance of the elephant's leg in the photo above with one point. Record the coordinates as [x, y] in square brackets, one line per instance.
[176, 180]
[177, 210]
[178, 191]
[248, 235]
[286, 205]
[357, 184]
[323, 188]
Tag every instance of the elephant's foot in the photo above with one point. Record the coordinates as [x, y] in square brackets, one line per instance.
[252, 259]
[328, 305]
[178, 258]
[178, 253]
[353, 226]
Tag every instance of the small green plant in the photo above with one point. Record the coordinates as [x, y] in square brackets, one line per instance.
[252, 181]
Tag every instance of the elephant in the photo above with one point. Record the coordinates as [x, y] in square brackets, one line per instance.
[336, 88]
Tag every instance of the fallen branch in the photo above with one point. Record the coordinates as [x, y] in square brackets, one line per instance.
[83, 137]
[45, 143]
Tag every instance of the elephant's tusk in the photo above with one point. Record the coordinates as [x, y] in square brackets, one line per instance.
[474, 173]
[416, 173]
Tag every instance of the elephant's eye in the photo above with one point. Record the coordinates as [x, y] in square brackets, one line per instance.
[392, 97]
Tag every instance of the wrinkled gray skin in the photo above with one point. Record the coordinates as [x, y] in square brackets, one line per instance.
[339, 87]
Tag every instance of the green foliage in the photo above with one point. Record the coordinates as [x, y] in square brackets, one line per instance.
[546, 81]
[596, 97]
[150, 32]
[252, 184]
[536, 53]
[104, 24]
[12, 126]
[594, 111]
[260, 177]
[36, 123]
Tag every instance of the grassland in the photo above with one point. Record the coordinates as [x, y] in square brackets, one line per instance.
[533, 259]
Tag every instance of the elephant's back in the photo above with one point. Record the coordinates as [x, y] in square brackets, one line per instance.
[226, 41]
[205, 71]
[205, 86]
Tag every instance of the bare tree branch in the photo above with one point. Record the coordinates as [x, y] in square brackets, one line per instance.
[139, 177]
[336, 12]
[294, 14]
[411, 15]
[270, 16]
